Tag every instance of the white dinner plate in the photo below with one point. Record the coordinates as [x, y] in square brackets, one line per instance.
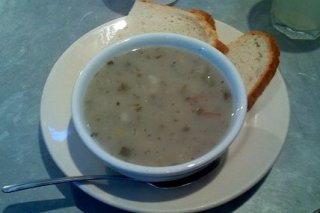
[248, 159]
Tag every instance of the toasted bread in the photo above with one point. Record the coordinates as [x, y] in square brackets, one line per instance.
[146, 17]
[205, 17]
[256, 56]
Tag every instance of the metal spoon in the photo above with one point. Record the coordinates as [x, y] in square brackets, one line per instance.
[162, 185]
[55, 181]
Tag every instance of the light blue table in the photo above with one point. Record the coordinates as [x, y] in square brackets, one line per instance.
[33, 35]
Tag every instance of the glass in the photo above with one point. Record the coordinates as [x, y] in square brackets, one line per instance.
[298, 19]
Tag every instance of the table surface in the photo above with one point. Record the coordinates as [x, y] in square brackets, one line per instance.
[34, 34]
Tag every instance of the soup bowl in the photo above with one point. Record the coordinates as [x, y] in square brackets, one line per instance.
[162, 172]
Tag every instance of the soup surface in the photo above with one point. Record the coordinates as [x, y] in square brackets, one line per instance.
[158, 106]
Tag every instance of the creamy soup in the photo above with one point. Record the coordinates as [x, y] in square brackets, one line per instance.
[158, 106]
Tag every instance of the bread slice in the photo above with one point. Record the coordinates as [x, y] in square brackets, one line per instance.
[203, 17]
[256, 56]
[146, 17]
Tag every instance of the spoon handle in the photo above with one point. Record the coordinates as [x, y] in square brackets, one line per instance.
[45, 182]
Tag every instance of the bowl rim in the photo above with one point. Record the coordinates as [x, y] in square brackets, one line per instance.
[222, 64]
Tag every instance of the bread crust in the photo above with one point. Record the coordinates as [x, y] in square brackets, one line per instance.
[269, 71]
[203, 16]
[267, 74]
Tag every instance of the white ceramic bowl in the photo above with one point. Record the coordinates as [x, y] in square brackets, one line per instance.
[208, 53]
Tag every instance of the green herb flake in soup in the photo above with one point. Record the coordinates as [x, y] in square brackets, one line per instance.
[158, 106]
